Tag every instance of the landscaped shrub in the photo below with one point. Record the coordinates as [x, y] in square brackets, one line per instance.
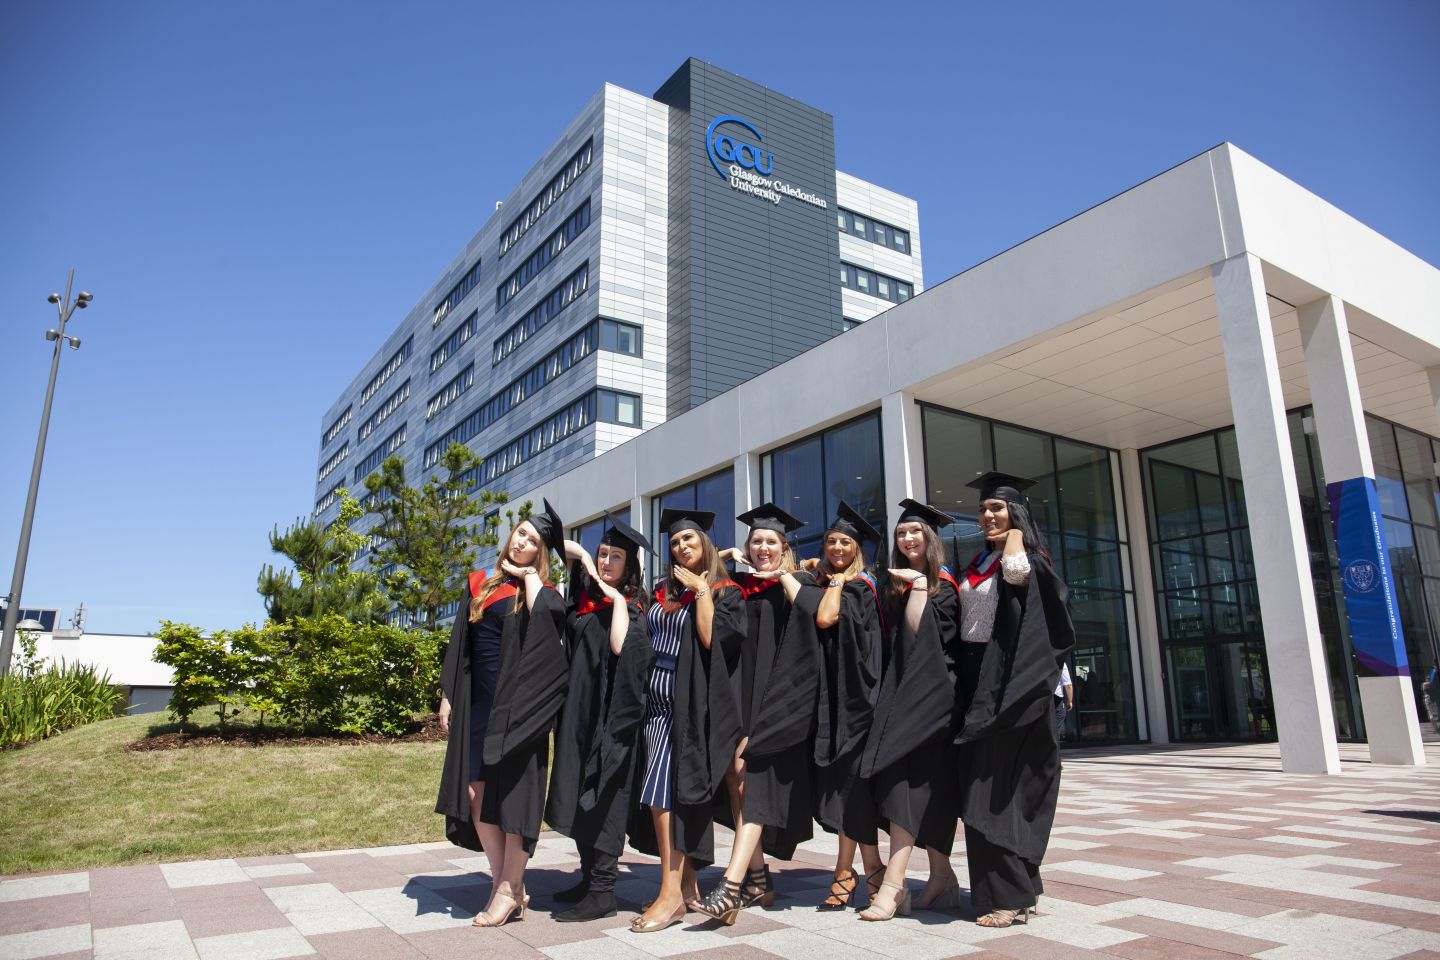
[316, 674]
[38, 701]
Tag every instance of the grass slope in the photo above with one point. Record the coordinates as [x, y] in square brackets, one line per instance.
[80, 800]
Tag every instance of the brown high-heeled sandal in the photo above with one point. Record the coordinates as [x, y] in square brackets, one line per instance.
[842, 891]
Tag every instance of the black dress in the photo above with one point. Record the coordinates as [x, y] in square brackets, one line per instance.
[597, 739]
[529, 689]
[909, 757]
[849, 674]
[782, 691]
[704, 729]
[1009, 770]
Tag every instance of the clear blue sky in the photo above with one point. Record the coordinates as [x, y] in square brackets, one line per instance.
[257, 192]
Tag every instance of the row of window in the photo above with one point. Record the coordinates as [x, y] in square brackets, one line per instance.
[387, 371]
[451, 392]
[546, 198]
[456, 294]
[875, 284]
[377, 456]
[542, 313]
[325, 502]
[336, 458]
[333, 431]
[543, 256]
[876, 231]
[595, 334]
[461, 335]
[391, 404]
[563, 423]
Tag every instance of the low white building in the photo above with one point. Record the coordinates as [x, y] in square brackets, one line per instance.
[128, 658]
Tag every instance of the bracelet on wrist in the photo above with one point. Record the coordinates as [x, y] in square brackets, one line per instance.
[837, 582]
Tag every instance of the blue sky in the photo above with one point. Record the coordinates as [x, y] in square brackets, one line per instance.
[256, 193]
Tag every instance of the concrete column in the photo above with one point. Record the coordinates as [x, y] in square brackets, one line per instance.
[1277, 535]
[747, 492]
[1382, 668]
[1149, 675]
[640, 520]
[902, 435]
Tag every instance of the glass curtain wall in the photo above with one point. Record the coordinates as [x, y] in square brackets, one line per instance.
[1074, 503]
[810, 477]
[715, 493]
[588, 535]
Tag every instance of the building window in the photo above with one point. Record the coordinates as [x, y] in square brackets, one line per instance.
[386, 372]
[391, 404]
[460, 336]
[619, 408]
[715, 493]
[1073, 503]
[876, 231]
[336, 458]
[456, 294]
[451, 392]
[621, 337]
[540, 315]
[875, 284]
[546, 198]
[588, 535]
[333, 431]
[565, 422]
[327, 501]
[810, 477]
[534, 264]
[377, 456]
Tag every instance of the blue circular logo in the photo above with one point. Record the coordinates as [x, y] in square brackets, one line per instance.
[722, 147]
[1362, 576]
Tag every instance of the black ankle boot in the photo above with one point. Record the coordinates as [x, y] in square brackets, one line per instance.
[596, 905]
[573, 894]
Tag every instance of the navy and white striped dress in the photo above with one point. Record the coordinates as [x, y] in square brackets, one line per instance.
[667, 630]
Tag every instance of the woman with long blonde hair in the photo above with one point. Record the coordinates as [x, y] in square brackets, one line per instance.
[503, 684]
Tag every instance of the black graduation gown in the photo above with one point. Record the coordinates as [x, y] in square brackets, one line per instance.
[778, 791]
[1009, 756]
[909, 757]
[705, 730]
[529, 691]
[597, 738]
[849, 679]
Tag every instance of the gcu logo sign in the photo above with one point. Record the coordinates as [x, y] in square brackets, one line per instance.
[746, 155]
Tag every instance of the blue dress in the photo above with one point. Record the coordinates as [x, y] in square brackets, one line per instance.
[484, 668]
[667, 628]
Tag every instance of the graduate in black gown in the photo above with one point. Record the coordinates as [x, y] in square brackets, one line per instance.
[769, 781]
[846, 606]
[692, 714]
[1016, 630]
[909, 756]
[597, 742]
[503, 684]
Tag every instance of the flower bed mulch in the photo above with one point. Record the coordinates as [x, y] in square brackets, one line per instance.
[419, 731]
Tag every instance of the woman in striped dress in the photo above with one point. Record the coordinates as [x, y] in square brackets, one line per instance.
[692, 718]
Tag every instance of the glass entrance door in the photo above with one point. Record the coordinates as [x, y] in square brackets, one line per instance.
[1219, 690]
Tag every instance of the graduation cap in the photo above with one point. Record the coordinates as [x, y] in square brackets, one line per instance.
[767, 516]
[849, 522]
[673, 520]
[1001, 486]
[912, 510]
[621, 534]
[548, 524]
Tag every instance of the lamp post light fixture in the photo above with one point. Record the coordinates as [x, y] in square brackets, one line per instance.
[63, 308]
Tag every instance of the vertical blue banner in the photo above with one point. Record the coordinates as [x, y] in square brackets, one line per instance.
[1370, 605]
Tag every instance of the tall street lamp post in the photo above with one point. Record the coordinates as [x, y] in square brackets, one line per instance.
[64, 308]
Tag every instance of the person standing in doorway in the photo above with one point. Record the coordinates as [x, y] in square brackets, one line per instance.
[1064, 700]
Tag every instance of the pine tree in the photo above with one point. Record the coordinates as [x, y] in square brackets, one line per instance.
[322, 558]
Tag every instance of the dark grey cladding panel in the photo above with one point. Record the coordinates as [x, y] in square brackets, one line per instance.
[751, 283]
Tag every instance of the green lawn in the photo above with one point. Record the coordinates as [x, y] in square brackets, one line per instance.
[81, 800]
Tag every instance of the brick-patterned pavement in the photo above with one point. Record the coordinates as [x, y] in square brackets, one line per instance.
[1157, 852]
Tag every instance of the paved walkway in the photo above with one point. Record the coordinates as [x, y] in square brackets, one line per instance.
[1157, 852]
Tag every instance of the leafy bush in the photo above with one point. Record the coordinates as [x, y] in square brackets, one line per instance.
[38, 701]
[317, 674]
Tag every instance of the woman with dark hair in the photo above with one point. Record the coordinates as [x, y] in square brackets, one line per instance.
[909, 756]
[1015, 631]
[596, 742]
[846, 608]
[692, 716]
[769, 780]
[502, 685]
